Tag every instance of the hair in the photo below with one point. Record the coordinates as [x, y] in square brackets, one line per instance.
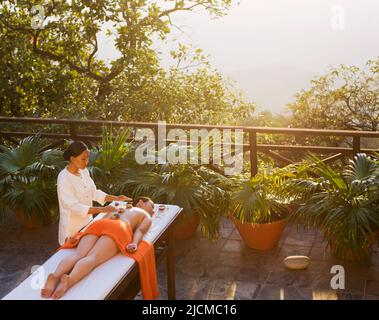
[74, 149]
[144, 199]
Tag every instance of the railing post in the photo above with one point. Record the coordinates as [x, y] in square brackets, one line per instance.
[356, 145]
[253, 153]
[73, 131]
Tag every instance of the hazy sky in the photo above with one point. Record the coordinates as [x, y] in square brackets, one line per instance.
[272, 48]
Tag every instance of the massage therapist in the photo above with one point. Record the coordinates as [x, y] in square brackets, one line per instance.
[76, 191]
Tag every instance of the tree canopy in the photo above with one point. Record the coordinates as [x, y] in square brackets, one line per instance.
[345, 98]
[51, 65]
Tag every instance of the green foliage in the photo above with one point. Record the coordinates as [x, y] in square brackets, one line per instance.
[264, 197]
[105, 161]
[55, 71]
[345, 98]
[198, 190]
[342, 204]
[27, 177]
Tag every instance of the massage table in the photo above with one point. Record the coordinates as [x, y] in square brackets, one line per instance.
[117, 278]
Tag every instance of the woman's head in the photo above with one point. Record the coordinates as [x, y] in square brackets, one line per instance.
[77, 154]
[144, 203]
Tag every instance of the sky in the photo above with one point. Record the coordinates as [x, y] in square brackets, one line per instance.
[273, 48]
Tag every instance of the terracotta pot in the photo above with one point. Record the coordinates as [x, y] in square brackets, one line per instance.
[186, 226]
[31, 222]
[354, 256]
[263, 236]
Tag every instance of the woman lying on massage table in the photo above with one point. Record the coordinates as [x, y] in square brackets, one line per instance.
[104, 238]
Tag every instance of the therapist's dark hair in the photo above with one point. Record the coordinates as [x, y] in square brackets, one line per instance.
[74, 149]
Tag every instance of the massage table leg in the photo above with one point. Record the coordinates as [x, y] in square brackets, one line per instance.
[170, 266]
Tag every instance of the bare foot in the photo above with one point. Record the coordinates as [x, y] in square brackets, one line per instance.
[62, 287]
[49, 287]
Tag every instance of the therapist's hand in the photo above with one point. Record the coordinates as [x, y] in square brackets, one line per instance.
[109, 209]
[123, 198]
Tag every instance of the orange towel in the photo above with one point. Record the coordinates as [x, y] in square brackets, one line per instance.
[122, 234]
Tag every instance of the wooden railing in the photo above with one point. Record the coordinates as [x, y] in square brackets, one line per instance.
[253, 147]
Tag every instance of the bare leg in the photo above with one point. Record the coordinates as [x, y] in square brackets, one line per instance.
[85, 245]
[104, 249]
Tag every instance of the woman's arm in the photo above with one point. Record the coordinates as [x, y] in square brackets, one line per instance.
[100, 196]
[109, 197]
[96, 210]
[138, 234]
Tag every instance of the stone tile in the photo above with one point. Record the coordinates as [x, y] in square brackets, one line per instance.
[299, 278]
[215, 297]
[349, 296]
[192, 268]
[201, 289]
[249, 252]
[320, 241]
[226, 223]
[237, 259]
[253, 274]
[320, 253]
[321, 281]
[233, 246]
[10, 279]
[184, 282]
[222, 272]
[245, 290]
[293, 250]
[301, 241]
[207, 244]
[320, 267]
[375, 259]
[233, 259]
[225, 232]
[25, 260]
[196, 255]
[235, 235]
[224, 288]
[8, 251]
[269, 292]
[372, 288]
[163, 295]
[354, 284]
[181, 247]
[324, 294]
[372, 273]
[274, 292]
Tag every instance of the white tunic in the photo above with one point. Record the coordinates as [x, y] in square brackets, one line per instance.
[75, 196]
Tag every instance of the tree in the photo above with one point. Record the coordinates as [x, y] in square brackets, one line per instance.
[189, 92]
[345, 98]
[31, 86]
[66, 32]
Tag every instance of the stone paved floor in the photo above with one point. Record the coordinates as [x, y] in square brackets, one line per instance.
[225, 269]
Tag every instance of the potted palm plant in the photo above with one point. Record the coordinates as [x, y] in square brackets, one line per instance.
[182, 185]
[108, 159]
[343, 204]
[198, 190]
[259, 209]
[27, 181]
